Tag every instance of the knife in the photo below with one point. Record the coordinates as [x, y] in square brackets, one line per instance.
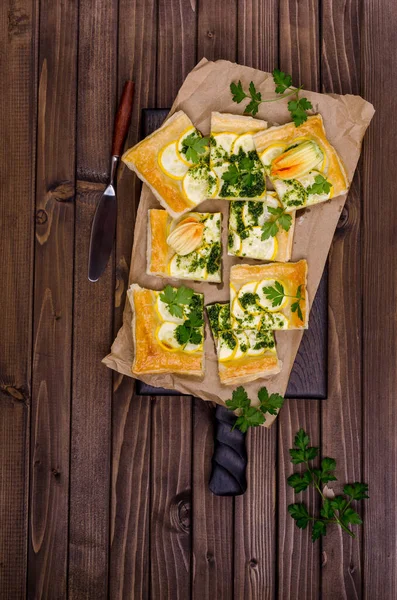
[104, 224]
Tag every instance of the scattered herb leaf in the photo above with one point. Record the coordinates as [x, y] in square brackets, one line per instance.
[252, 416]
[320, 186]
[337, 510]
[277, 293]
[282, 219]
[176, 299]
[193, 145]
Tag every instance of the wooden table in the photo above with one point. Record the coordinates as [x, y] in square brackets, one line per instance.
[103, 493]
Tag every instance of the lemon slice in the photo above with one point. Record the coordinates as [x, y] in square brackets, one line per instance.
[170, 163]
[192, 348]
[236, 309]
[223, 143]
[179, 145]
[199, 183]
[271, 152]
[234, 244]
[164, 313]
[182, 266]
[263, 301]
[254, 247]
[245, 142]
[248, 288]
[242, 344]
[166, 336]
[227, 346]
[224, 317]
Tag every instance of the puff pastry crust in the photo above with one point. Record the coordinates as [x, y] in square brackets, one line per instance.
[245, 368]
[246, 219]
[231, 142]
[201, 264]
[313, 129]
[149, 355]
[144, 160]
[255, 310]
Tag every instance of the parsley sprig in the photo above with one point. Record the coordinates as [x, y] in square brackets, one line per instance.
[297, 107]
[277, 294]
[189, 331]
[243, 169]
[337, 510]
[252, 416]
[281, 219]
[176, 299]
[320, 186]
[193, 145]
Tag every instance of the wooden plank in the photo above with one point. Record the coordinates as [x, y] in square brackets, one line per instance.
[298, 557]
[212, 516]
[53, 298]
[129, 550]
[254, 49]
[341, 414]
[379, 300]
[217, 30]
[170, 514]
[18, 48]
[92, 390]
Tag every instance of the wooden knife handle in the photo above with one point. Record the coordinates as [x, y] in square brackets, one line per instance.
[123, 118]
[229, 461]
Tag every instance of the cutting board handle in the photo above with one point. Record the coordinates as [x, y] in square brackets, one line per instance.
[123, 118]
[229, 461]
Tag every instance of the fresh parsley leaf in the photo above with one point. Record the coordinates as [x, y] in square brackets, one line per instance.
[320, 186]
[282, 80]
[356, 491]
[298, 109]
[326, 510]
[239, 399]
[238, 92]
[336, 510]
[231, 175]
[252, 416]
[176, 299]
[269, 229]
[195, 337]
[269, 404]
[182, 334]
[275, 293]
[195, 319]
[300, 482]
[319, 528]
[300, 514]
[194, 145]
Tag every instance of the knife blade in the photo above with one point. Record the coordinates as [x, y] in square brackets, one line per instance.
[103, 227]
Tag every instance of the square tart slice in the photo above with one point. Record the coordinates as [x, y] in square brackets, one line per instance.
[242, 355]
[186, 248]
[233, 157]
[272, 296]
[246, 227]
[174, 162]
[301, 163]
[163, 342]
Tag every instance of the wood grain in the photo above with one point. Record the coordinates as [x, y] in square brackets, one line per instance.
[93, 303]
[212, 527]
[298, 558]
[341, 414]
[379, 265]
[53, 298]
[217, 30]
[18, 50]
[129, 555]
[170, 513]
[129, 575]
[257, 29]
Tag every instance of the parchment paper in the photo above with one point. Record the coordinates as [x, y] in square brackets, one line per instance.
[206, 89]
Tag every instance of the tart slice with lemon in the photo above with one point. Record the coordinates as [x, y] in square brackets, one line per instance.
[301, 163]
[247, 237]
[233, 157]
[243, 356]
[186, 248]
[272, 296]
[168, 331]
[174, 162]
